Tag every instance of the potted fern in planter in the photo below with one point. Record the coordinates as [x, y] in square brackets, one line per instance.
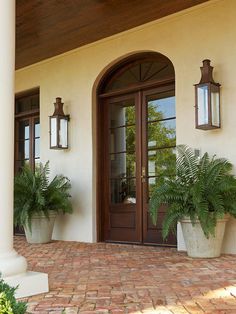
[37, 201]
[201, 196]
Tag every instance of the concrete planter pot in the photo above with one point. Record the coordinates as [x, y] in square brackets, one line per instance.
[197, 244]
[41, 228]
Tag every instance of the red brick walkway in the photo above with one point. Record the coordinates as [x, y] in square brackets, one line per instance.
[111, 278]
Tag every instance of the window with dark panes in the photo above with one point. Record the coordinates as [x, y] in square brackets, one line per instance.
[27, 129]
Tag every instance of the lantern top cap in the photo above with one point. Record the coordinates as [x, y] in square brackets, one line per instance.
[58, 111]
[58, 99]
[206, 62]
[206, 71]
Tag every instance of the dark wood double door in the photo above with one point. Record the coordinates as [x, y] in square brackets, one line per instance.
[138, 153]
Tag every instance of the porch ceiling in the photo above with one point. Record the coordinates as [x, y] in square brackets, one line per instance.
[48, 28]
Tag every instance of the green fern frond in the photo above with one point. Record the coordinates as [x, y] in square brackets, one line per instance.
[203, 189]
[171, 218]
[33, 193]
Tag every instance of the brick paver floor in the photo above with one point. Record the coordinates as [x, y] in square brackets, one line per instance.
[113, 278]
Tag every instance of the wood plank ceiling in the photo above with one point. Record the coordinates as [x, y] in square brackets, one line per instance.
[46, 28]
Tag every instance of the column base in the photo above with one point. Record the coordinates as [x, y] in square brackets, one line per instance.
[11, 264]
[29, 283]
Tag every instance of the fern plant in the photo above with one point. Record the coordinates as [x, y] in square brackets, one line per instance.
[203, 189]
[8, 303]
[35, 194]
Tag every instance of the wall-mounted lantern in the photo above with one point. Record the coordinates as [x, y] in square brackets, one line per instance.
[59, 127]
[207, 97]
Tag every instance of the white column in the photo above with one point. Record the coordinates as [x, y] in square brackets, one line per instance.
[13, 267]
[10, 262]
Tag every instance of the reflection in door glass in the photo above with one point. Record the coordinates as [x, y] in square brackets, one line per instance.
[122, 113]
[122, 165]
[24, 150]
[37, 129]
[161, 107]
[162, 162]
[122, 139]
[161, 139]
[24, 130]
[161, 134]
[122, 151]
[123, 191]
[37, 148]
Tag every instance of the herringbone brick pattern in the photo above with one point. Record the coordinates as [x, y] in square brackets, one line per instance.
[115, 279]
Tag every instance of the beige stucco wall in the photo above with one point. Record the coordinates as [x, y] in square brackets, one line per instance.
[206, 31]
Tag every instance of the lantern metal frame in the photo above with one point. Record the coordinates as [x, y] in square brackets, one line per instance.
[211, 87]
[58, 115]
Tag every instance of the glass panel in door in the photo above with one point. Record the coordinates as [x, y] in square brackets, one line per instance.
[122, 151]
[159, 154]
[23, 143]
[122, 129]
[27, 142]
[36, 141]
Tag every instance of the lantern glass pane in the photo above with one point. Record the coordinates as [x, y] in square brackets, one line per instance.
[63, 133]
[202, 96]
[215, 107]
[53, 122]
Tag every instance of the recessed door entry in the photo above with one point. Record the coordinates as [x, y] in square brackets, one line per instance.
[139, 153]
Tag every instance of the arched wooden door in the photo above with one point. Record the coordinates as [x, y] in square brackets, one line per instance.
[137, 142]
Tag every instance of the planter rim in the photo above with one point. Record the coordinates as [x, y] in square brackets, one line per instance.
[187, 219]
[42, 215]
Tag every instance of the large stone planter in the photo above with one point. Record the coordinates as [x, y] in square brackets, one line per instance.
[41, 229]
[197, 244]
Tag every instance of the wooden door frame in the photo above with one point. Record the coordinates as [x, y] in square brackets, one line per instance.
[101, 147]
[100, 97]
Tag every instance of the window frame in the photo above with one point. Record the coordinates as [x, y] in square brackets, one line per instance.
[31, 116]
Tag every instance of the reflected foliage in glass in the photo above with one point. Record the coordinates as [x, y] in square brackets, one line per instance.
[162, 162]
[162, 134]
[161, 120]
[161, 139]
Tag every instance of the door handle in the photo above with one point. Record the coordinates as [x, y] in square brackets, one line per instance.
[143, 174]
